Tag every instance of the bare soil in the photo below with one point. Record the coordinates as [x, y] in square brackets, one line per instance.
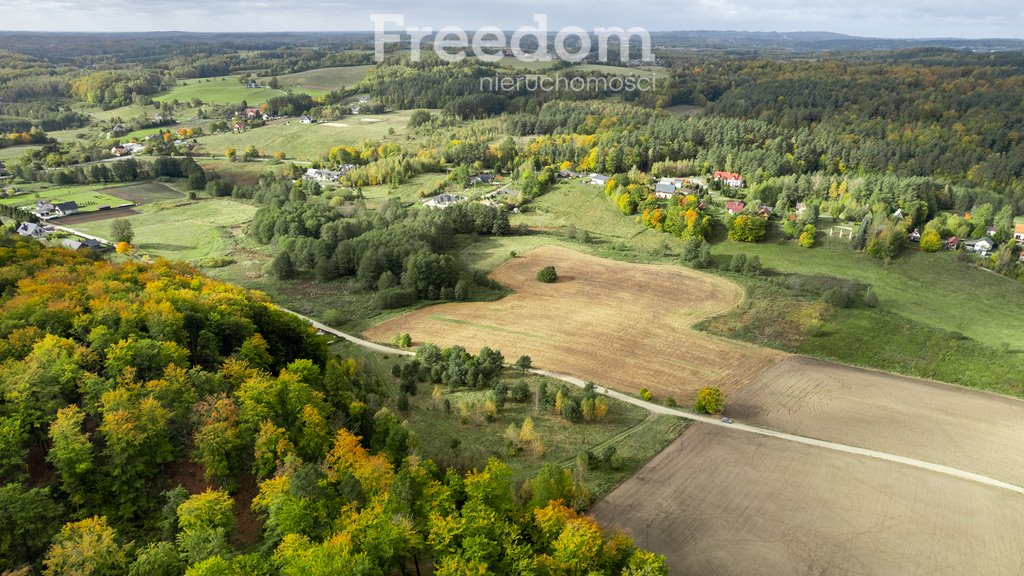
[940, 423]
[723, 502]
[617, 324]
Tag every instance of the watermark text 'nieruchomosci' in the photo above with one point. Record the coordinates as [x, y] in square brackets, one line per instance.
[490, 44]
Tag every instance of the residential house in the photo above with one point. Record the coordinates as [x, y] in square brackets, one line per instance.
[119, 150]
[664, 190]
[599, 179]
[253, 113]
[982, 245]
[915, 236]
[676, 183]
[306, 120]
[238, 126]
[158, 117]
[118, 129]
[482, 178]
[569, 174]
[800, 207]
[1018, 234]
[364, 99]
[898, 214]
[42, 208]
[734, 207]
[443, 201]
[952, 243]
[65, 208]
[252, 84]
[731, 179]
[88, 243]
[991, 230]
[323, 175]
[31, 230]
[765, 212]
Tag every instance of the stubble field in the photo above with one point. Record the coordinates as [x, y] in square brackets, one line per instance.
[621, 325]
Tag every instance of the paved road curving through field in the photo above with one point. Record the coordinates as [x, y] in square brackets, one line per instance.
[714, 421]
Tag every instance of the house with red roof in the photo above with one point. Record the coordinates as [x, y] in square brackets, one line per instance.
[952, 243]
[734, 207]
[731, 179]
[1018, 234]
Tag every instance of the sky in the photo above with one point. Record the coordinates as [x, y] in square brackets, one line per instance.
[874, 18]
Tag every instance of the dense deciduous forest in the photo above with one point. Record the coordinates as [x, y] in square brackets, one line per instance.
[117, 379]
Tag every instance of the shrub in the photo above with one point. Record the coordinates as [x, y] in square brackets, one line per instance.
[646, 395]
[709, 401]
[547, 275]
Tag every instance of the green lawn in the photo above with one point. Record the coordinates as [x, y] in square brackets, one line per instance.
[322, 81]
[15, 152]
[88, 197]
[934, 289]
[183, 230]
[310, 141]
[220, 90]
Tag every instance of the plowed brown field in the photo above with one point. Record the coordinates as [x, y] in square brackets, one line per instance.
[621, 325]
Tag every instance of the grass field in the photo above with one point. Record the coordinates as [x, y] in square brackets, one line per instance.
[309, 141]
[934, 289]
[15, 152]
[184, 230]
[620, 325]
[88, 197]
[219, 90]
[722, 502]
[322, 81]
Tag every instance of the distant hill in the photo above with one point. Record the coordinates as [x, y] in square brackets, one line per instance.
[816, 41]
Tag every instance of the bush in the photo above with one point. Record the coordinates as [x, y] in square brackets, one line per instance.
[646, 395]
[395, 298]
[709, 401]
[547, 275]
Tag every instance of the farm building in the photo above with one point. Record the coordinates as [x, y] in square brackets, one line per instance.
[599, 179]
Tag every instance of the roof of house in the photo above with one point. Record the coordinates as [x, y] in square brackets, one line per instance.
[735, 206]
[1018, 229]
[665, 187]
[65, 206]
[728, 175]
[983, 239]
[952, 240]
[600, 177]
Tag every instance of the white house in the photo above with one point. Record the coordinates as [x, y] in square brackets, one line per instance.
[664, 190]
[306, 120]
[982, 245]
[599, 179]
[731, 179]
[31, 230]
[65, 209]
[322, 175]
[443, 200]
[1018, 234]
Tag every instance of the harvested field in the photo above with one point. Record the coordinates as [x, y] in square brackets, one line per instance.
[940, 423]
[621, 325]
[83, 217]
[722, 502]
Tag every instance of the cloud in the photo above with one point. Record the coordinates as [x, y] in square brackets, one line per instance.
[906, 18]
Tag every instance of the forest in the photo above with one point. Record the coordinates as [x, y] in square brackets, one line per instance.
[120, 382]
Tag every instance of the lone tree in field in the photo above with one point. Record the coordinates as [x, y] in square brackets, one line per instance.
[547, 275]
[524, 363]
[121, 231]
[709, 401]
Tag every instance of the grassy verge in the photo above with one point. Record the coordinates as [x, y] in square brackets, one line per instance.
[451, 439]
